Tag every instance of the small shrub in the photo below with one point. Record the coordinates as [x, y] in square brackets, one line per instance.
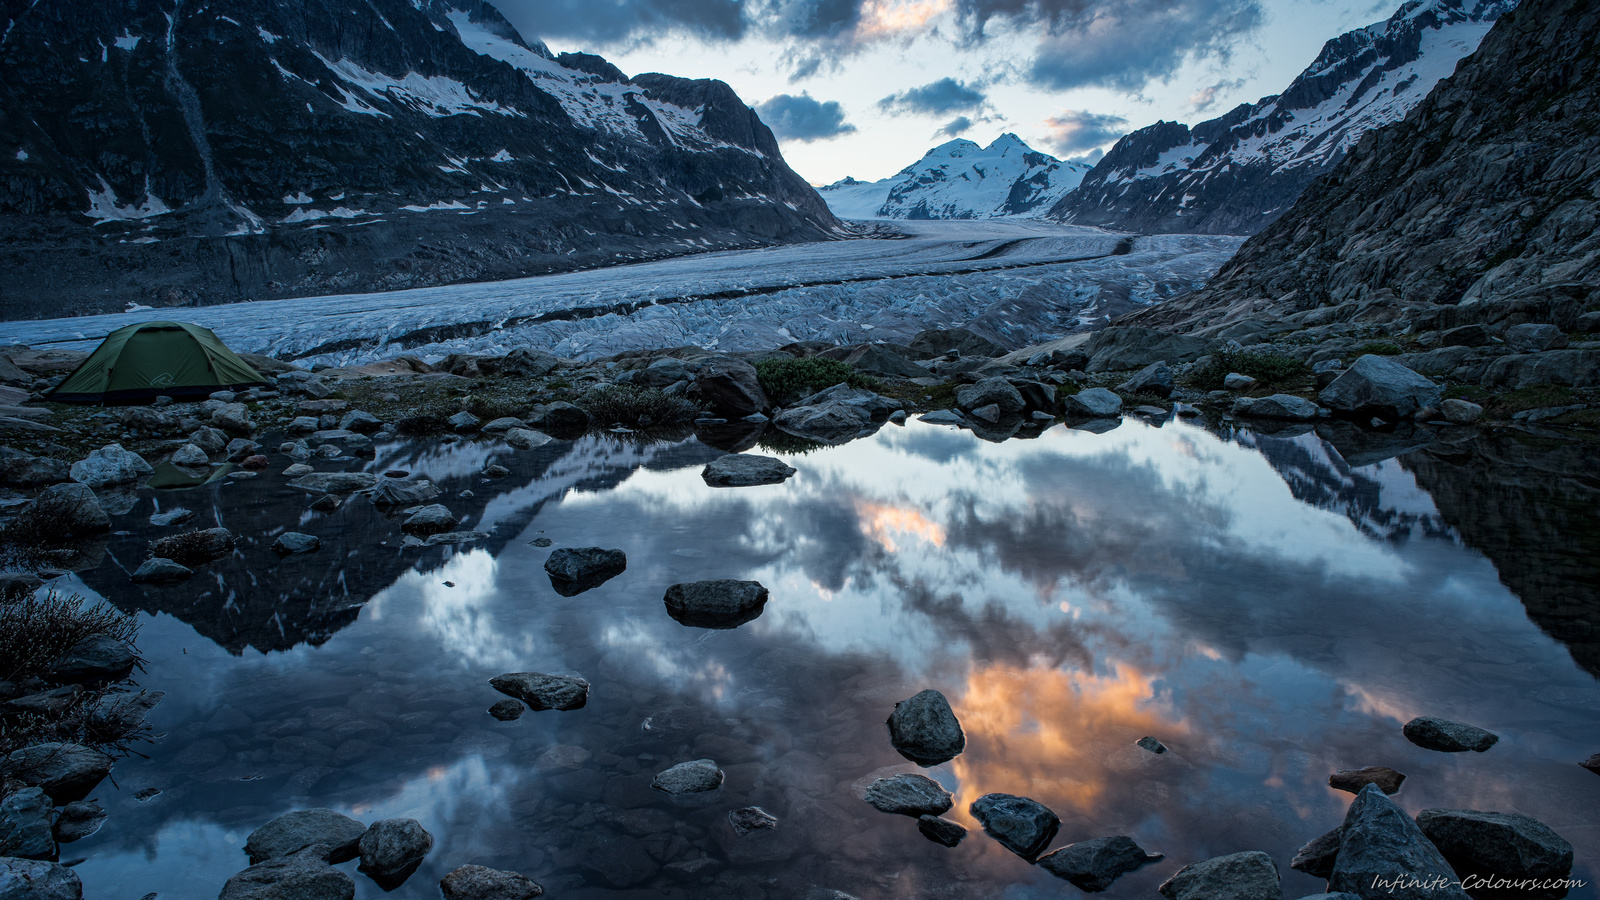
[637, 407]
[421, 424]
[490, 408]
[36, 631]
[1268, 368]
[783, 442]
[1378, 348]
[788, 380]
[193, 548]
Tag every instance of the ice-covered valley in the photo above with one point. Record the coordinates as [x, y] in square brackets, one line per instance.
[1018, 281]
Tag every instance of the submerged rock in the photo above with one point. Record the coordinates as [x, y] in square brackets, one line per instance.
[78, 820]
[720, 604]
[1382, 850]
[335, 482]
[1447, 736]
[575, 570]
[1150, 744]
[751, 818]
[1506, 845]
[908, 795]
[689, 777]
[484, 883]
[328, 835]
[924, 729]
[303, 876]
[541, 692]
[1021, 825]
[941, 831]
[745, 470]
[1250, 875]
[1094, 864]
[65, 771]
[1353, 780]
[507, 710]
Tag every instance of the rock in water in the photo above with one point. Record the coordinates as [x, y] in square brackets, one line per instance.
[431, 519]
[1379, 386]
[1238, 876]
[1504, 845]
[484, 883]
[292, 542]
[304, 876]
[832, 422]
[1447, 736]
[1096, 403]
[79, 820]
[541, 692]
[1151, 744]
[908, 795]
[1317, 857]
[744, 470]
[330, 836]
[991, 391]
[1383, 853]
[1023, 826]
[941, 831]
[396, 492]
[525, 439]
[720, 604]
[1092, 865]
[25, 830]
[33, 879]
[730, 385]
[1592, 764]
[110, 465]
[393, 847]
[751, 818]
[1277, 406]
[575, 570]
[924, 729]
[507, 710]
[1353, 780]
[689, 777]
[66, 772]
[335, 482]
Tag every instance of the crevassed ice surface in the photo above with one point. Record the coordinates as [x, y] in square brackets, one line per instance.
[1265, 605]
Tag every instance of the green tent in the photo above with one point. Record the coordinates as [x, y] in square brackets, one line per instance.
[141, 362]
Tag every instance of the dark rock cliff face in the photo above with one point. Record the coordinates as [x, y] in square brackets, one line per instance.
[168, 153]
[1236, 174]
[1480, 207]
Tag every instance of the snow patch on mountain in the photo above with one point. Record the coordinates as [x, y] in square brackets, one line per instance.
[960, 179]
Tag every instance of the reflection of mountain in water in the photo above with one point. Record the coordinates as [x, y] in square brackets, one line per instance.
[255, 599]
[1533, 508]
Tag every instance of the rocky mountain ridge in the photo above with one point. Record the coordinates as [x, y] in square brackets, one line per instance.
[1237, 173]
[160, 153]
[960, 179]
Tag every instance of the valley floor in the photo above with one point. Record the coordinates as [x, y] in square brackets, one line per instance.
[1018, 280]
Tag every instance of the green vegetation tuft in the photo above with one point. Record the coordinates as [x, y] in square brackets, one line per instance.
[35, 631]
[1377, 348]
[1267, 368]
[637, 407]
[788, 380]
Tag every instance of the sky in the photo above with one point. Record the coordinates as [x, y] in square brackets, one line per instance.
[864, 88]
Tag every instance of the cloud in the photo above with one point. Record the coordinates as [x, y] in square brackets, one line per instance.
[941, 97]
[616, 21]
[1078, 130]
[954, 128]
[1206, 97]
[800, 118]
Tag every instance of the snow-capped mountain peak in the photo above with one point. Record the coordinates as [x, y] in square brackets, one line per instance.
[961, 179]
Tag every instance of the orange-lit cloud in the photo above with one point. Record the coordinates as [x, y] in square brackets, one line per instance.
[892, 18]
[882, 522]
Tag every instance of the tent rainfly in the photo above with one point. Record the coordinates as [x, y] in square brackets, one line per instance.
[141, 362]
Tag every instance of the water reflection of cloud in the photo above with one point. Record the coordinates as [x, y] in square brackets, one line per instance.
[457, 604]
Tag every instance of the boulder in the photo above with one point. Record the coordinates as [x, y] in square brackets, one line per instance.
[1533, 338]
[360, 421]
[1383, 853]
[956, 341]
[525, 439]
[330, 836]
[520, 363]
[940, 830]
[560, 417]
[391, 847]
[541, 691]
[924, 729]
[463, 422]
[730, 387]
[875, 406]
[303, 425]
[1460, 412]
[431, 519]
[25, 829]
[502, 425]
[292, 542]
[1021, 825]
[190, 456]
[1036, 395]
[399, 492]
[720, 604]
[36, 879]
[827, 423]
[1094, 864]
[745, 470]
[1353, 780]
[1096, 403]
[23, 470]
[66, 772]
[1277, 406]
[94, 658]
[234, 418]
[942, 417]
[908, 795]
[1317, 857]
[1447, 736]
[1376, 386]
[240, 449]
[110, 465]
[691, 777]
[63, 510]
[303, 876]
[1575, 367]
[1250, 875]
[78, 820]
[1130, 347]
[1504, 845]
[1234, 381]
[335, 482]
[484, 883]
[879, 359]
[661, 373]
[996, 391]
[575, 570]
[1155, 379]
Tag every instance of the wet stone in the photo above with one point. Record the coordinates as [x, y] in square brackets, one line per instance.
[484, 883]
[1446, 736]
[1379, 842]
[1021, 825]
[924, 729]
[1238, 876]
[157, 570]
[1592, 764]
[1319, 854]
[292, 542]
[1353, 780]
[577, 569]
[303, 876]
[332, 836]
[506, 710]
[94, 658]
[1094, 864]
[751, 818]
[721, 604]
[941, 831]
[65, 771]
[541, 691]
[25, 825]
[1151, 744]
[36, 879]
[1507, 845]
[393, 847]
[745, 470]
[908, 795]
[689, 777]
[78, 820]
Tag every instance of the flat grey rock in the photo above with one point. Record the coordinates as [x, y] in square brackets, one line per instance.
[1446, 736]
[1250, 875]
[719, 604]
[942, 417]
[1277, 406]
[1094, 403]
[745, 470]
[330, 835]
[335, 482]
[541, 691]
[525, 438]
[924, 729]
[1093, 865]
[484, 883]
[909, 795]
[1022, 825]
[399, 492]
[303, 876]
[573, 570]
[78, 820]
[1379, 386]
[690, 777]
